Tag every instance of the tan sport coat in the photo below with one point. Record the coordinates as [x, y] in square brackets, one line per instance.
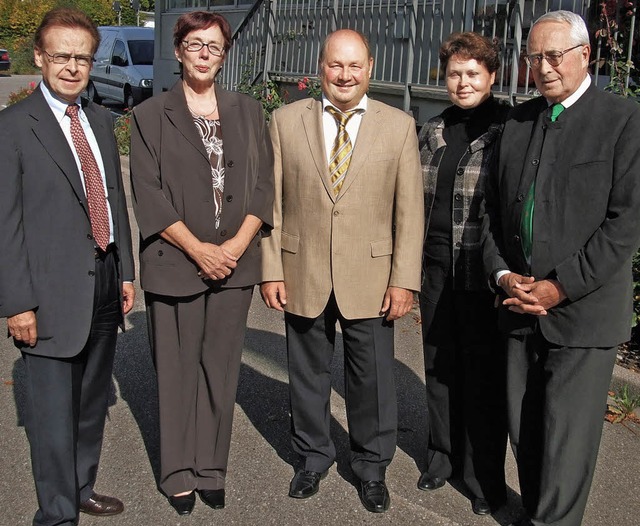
[363, 240]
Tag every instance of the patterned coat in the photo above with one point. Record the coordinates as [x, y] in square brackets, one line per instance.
[468, 193]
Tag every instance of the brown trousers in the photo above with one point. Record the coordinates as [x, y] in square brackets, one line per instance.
[197, 347]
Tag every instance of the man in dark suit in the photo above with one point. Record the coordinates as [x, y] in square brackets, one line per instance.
[66, 248]
[561, 229]
[345, 247]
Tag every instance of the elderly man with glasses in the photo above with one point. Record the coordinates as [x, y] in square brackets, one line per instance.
[66, 249]
[561, 228]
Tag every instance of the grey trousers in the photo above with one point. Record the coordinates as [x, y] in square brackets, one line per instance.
[556, 399]
[197, 346]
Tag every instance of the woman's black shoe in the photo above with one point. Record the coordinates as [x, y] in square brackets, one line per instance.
[183, 504]
[214, 498]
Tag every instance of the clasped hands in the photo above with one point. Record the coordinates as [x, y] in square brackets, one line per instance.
[528, 296]
[218, 261]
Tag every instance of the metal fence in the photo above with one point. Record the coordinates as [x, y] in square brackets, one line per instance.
[281, 38]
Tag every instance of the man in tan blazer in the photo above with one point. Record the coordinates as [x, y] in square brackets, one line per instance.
[346, 247]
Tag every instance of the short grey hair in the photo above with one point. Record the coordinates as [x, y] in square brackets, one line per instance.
[577, 28]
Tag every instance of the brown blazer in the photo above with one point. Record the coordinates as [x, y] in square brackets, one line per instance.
[171, 181]
[360, 242]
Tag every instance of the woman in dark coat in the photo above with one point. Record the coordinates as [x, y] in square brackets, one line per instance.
[201, 172]
[463, 351]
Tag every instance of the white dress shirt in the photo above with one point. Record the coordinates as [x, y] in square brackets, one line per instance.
[330, 126]
[59, 108]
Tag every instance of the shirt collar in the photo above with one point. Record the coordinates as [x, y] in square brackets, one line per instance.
[57, 105]
[362, 105]
[573, 98]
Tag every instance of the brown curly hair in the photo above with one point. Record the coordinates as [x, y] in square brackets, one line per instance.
[471, 45]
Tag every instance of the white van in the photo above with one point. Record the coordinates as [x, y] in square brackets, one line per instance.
[123, 67]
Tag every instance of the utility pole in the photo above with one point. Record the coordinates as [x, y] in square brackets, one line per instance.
[135, 5]
[118, 9]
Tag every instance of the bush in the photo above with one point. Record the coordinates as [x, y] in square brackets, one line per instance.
[21, 52]
[22, 93]
[122, 131]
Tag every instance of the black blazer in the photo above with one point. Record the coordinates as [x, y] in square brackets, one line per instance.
[47, 257]
[171, 181]
[586, 224]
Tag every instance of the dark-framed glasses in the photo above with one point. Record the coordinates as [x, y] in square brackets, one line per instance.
[554, 58]
[64, 58]
[196, 45]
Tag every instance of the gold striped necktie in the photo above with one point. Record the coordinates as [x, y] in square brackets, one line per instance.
[342, 148]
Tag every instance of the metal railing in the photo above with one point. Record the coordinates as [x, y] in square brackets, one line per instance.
[281, 38]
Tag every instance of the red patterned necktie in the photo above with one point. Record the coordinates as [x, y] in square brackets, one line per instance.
[94, 186]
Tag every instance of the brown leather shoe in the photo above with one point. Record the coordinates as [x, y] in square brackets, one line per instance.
[101, 505]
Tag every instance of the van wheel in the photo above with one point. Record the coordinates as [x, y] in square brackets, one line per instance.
[92, 94]
[129, 101]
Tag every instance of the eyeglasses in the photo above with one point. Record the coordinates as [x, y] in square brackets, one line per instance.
[64, 58]
[554, 58]
[196, 45]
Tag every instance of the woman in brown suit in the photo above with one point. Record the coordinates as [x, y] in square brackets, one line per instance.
[201, 172]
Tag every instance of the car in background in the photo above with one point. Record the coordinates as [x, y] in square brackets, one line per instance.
[5, 61]
[123, 67]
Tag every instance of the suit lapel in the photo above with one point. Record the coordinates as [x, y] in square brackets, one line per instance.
[104, 138]
[178, 113]
[47, 130]
[367, 134]
[312, 123]
[235, 142]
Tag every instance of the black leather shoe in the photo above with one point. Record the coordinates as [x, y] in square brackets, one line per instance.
[101, 505]
[480, 506]
[183, 504]
[214, 498]
[305, 484]
[429, 483]
[374, 495]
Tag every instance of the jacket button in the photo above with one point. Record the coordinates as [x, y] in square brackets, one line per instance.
[535, 162]
[458, 244]
[223, 232]
[516, 238]
[458, 197]
[91, 273]
[160, 253]
[229, 198]
[230, 164]
[336, 213]
[520, 198]
[89, 236]
[460, 171]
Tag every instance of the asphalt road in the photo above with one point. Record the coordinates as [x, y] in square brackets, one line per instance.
[261, 458]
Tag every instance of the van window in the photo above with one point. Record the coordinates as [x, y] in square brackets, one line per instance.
[141, 52]
[119, 57]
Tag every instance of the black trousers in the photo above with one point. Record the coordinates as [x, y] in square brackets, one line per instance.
[197, 348]
[465, 367]
[66, 406]
[557, 397]
[370, 393]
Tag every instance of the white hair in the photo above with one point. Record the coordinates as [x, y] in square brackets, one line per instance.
[577, 28]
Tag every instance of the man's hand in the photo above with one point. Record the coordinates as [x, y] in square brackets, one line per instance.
[274, 294]
[128, 297]
[548, 292]
[23, 327]
[397, 302]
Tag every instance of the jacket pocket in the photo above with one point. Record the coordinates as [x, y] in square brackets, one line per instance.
[382, 247]
[289, 242]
